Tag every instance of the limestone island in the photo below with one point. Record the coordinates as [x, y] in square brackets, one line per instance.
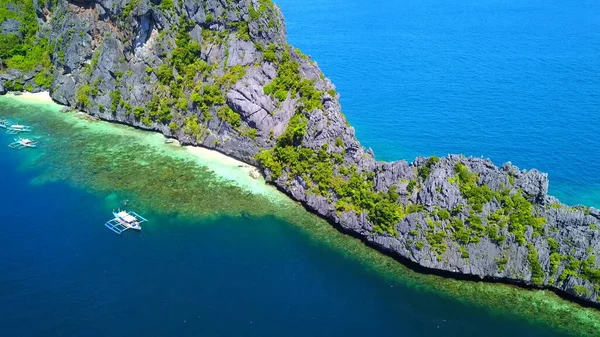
[220, 74]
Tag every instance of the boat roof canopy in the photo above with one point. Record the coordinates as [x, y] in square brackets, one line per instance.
[126, 216]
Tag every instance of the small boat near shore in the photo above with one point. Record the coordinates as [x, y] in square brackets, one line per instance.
[21, 143]
[17, 128]
[124, 220]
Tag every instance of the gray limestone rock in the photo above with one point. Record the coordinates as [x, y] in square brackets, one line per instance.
[11, 26]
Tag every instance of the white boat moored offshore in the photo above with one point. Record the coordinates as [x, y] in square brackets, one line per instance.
[20, 143]
[125, 220]
[16, 128]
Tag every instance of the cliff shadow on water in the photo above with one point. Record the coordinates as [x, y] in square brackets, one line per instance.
[118, 162]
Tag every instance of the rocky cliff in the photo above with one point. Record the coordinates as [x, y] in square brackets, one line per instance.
[219, 73]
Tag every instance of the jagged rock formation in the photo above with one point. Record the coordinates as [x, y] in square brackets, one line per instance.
[220, 74]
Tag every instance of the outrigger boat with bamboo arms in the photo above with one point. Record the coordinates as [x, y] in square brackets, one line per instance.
[17, 128]
[124, 220]
[20, 143]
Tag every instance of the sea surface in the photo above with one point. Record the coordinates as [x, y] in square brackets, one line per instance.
[224, 256]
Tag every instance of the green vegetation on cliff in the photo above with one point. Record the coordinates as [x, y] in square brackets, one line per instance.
[194, 84]
[537, 274]
[23, 49]
[516, 210]
[289, 80]
[322, 170]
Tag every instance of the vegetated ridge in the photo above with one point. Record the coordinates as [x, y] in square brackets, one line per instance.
[220, 74]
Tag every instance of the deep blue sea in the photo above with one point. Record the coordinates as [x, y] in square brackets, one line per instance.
[509, 80]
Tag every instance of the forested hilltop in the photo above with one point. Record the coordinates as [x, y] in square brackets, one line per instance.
[220, 74]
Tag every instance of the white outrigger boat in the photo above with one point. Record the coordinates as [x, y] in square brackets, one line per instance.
[16, 128]
[125, 220]
[20, 143]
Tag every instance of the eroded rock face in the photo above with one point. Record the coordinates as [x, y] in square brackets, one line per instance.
[118, 56]
[11, 26]
[118, 50]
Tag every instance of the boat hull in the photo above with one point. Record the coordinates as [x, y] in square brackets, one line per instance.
[133, 224]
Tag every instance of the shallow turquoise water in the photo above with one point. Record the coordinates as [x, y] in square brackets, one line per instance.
[505, 79]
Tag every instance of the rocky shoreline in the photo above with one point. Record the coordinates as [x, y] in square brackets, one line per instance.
[221, 76]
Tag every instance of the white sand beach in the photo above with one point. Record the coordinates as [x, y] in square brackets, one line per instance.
[40, 97]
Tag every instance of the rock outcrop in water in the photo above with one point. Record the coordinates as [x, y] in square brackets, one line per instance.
[220, 74]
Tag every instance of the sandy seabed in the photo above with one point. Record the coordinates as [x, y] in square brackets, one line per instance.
[224, 167]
